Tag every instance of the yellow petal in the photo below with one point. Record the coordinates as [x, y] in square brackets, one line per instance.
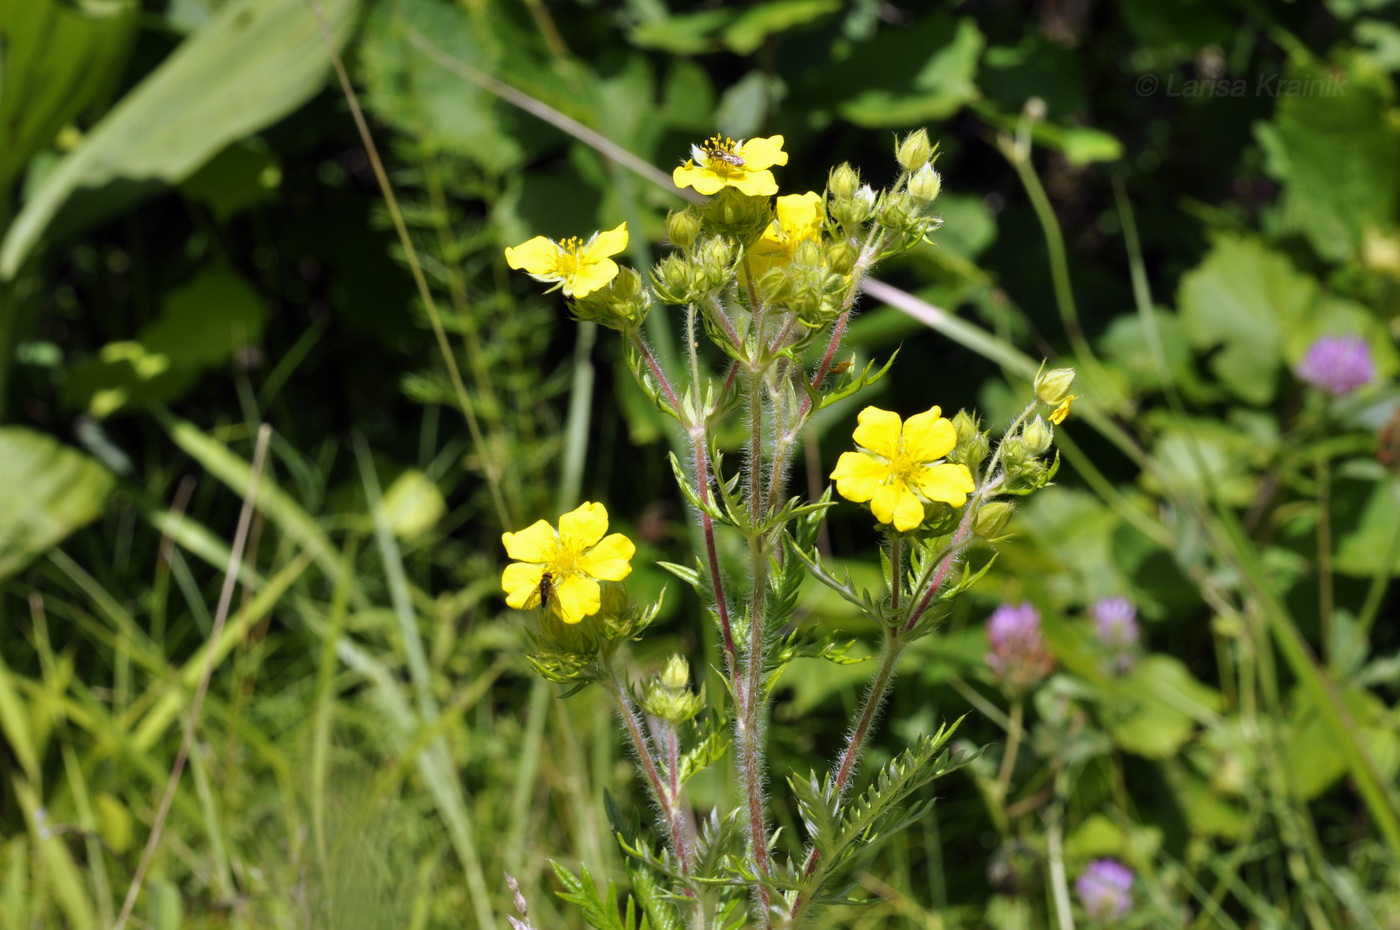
[703, 180]
[521, 582]
[929, 436]
[538, 256]
[583, 526]
[754, 183]
[896, 504]
[1062, 411]
[610, 560]
[590, 277]
[801, 215]
[858, 477]
[763, 153]
[878, 431]
[948, 483]
[535, 543]
[578, 597]
[607, 243]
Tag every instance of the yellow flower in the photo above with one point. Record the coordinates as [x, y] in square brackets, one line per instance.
[560, 569]
[1058, 415]
[801, 218]
[741, 165]
[900, 466]
[579, 267]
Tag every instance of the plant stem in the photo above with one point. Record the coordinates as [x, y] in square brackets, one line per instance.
[1054, 845]
[1323, 471]
[1013, 747]
[663, 797]
[890, 652]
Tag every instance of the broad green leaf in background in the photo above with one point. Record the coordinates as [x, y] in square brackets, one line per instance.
[877, 90]
[747, 33]
[255, 62]
[51, 490]
[1242, 299]
[1313, 761]
[57, 62]
[1335, 149]
[1363, 551]
[202, 325]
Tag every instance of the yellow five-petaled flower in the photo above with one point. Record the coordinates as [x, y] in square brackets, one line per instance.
[801, 218]
[721, 163]
[579, 267]
[576, 557]
[900, 466]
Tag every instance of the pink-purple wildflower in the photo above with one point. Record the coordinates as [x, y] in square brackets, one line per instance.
[1105, 890]
[1337, 365]
[1115, 621]
[1019, 657]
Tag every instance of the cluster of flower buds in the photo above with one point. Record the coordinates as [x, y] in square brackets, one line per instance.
[575, 653]
[622, 305]
[1019, 657]
[668, 697]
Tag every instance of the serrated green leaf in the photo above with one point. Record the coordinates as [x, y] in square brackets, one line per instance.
[54, 490]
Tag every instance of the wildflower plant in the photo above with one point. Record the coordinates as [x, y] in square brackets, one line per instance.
[773, 285]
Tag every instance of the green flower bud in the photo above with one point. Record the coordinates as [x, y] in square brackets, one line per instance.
[738, 216]
[843, 181]
[841, 257]
[622, 305]
[898, 213]
[668, 695]
[676, 674]
[855, 209]
[674, 278]
[715, 259]
[925, 185]
[1052, 387]
[991, 520]
[1038, 437]
[973, 445]
[683, 227]
[915, 151]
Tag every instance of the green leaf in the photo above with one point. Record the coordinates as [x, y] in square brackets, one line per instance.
[255, 62]
[1241, 300]
[886, 95]
[1334, 144]
[53, 490]
[1153, 709]
[684, 35]
[201, 326]
[57, 63]
[1364, 551]
[1312, 759]
[757, 23]
[241, 176]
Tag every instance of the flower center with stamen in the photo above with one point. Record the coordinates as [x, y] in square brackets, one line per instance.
[722, 154]
[570, 257]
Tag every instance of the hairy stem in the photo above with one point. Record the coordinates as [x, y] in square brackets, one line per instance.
[664, 799]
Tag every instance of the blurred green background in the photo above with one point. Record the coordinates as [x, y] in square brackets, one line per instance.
[1175, 197]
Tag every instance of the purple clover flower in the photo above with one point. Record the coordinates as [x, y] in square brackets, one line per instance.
[1115, 619]
[1337, 365]
[1105, 890]
[1117, 623]
[1019, 656]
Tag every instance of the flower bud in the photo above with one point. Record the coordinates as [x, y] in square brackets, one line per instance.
[715, 259]
[675, 279]
[915, 151]
[683, 227]
[737, 215]
[925, 185]
[1038, 437]
[843, 181]
[898, 212]
[676, 674]
[841, 257]
[621, 305]
[973, 444]
[991, 520]
[1052, 387]
[668, 695]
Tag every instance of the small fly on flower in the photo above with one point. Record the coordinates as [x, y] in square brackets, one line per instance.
[717, 149]
[543, 593]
